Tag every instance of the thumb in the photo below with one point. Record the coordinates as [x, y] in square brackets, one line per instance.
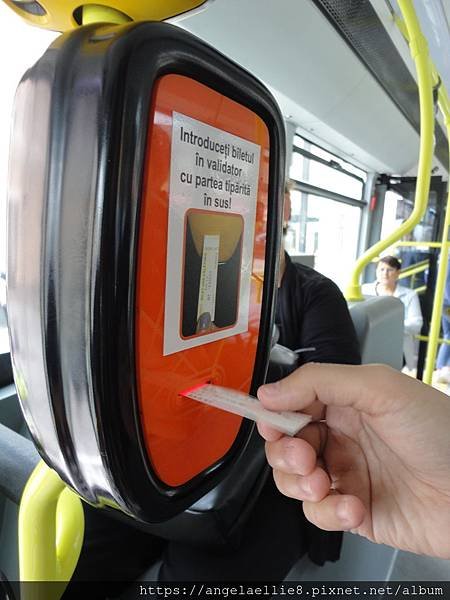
[369, 388]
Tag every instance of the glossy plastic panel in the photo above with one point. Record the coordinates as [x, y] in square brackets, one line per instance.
[184, 437]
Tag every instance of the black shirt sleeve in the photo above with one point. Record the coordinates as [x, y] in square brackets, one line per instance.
[327, 326]
[312, 312]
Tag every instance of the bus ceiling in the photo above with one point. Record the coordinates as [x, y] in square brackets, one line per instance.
[349, 88]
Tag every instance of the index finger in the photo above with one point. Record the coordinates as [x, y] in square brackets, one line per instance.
[368, 388]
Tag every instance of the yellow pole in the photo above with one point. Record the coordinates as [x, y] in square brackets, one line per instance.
[433, 338]
[418, 244]
[420, 290]
[435, 325]
[414, 269]
[425, 338]
[51, 530]
[419, 52]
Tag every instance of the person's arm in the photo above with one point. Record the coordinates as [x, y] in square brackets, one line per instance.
[413, 316]
[376, 458]
[328, 327]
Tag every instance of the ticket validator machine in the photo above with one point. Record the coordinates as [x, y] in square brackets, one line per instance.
[144, 199]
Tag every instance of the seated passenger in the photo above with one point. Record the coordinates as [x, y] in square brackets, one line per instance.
[311, 312]
[386, 284]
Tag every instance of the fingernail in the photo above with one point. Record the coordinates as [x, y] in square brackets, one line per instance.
[271, 389]
[342, 512]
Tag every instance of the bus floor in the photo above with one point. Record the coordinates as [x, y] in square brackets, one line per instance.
[360, 560]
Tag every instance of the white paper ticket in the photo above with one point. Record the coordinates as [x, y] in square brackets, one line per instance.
[208, 277]
[247, 406]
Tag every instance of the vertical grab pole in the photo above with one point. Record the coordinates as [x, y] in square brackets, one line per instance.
[433, 338]
[419, 52]
[436, 315]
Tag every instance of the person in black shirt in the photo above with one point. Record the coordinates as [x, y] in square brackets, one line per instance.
[311, 312]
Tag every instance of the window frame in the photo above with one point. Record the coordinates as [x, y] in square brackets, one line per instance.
[306, 189]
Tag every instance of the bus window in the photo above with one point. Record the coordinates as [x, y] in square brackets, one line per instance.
[398, 208]
[390, 220]
[326, 209]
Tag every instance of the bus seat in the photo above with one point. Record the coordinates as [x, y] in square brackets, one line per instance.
[10, 412]
[18, 458]
[6, 373]
[379, 326]
[11, 419]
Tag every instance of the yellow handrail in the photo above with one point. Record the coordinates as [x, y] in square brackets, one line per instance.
[425, 338]
[419, 267]
[427, 244]
[51, 530]
[436, 315]
[433, 339]
[419, 52]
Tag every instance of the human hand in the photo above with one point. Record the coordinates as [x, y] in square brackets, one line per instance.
[374, 461]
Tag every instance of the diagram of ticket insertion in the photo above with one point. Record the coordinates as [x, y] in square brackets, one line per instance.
[212, 267]
[212, 199]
